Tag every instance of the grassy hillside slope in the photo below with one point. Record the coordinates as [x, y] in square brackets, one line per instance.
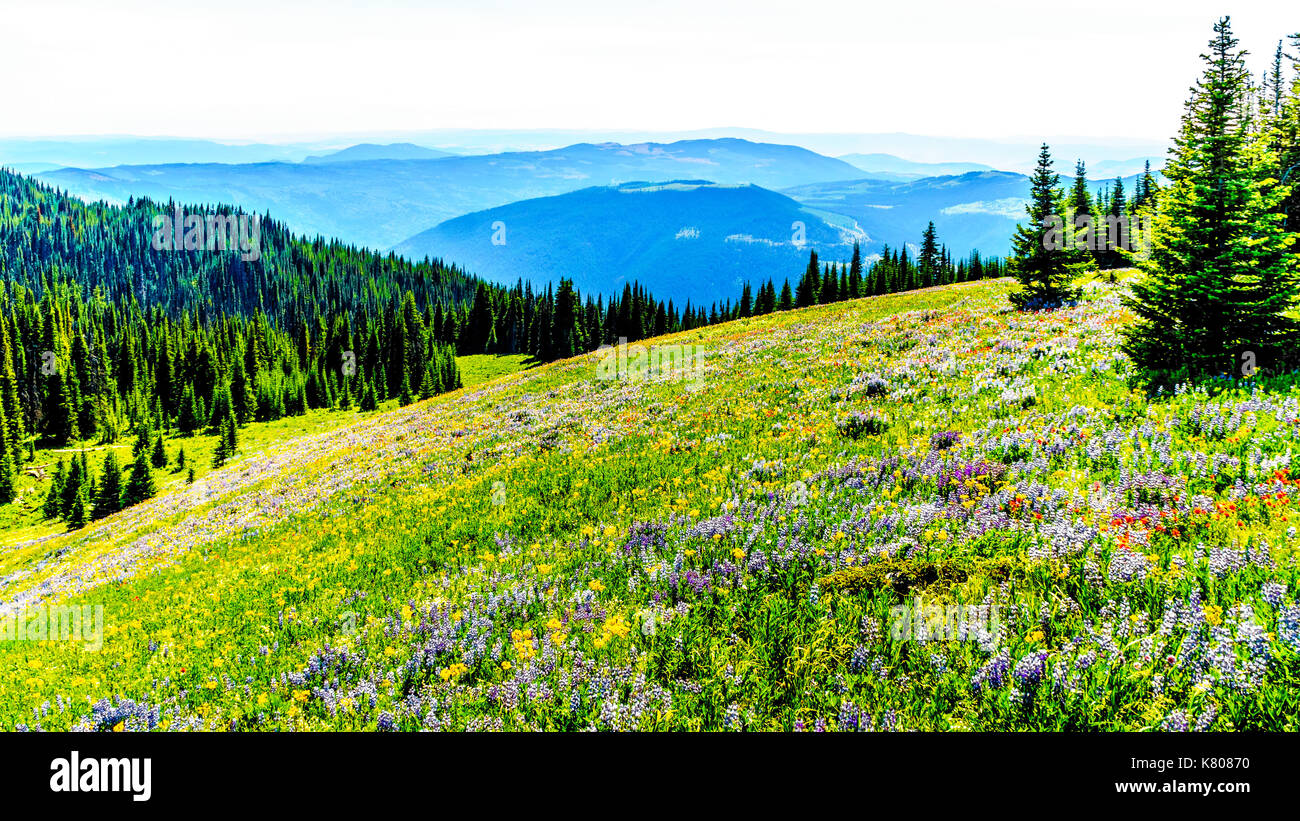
[552, 550]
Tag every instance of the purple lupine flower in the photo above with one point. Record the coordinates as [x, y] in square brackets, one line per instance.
[1029, 670]
[1274, 594]
[944, 439]
[993, 674]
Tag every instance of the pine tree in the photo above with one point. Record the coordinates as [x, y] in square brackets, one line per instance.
[231, 437]
[786, 300]
[855, 273]
[927, 259]
[77, 514]
[50, 510]
[9, 402]
[369, 401]
[139, 485]
[159, 456]
[1041, 262]
[1220, 280]
[109, 498]
[187, 420]
[7, 490]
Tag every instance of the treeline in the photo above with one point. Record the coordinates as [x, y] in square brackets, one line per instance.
[1112, 215]
[892, 272]
[1069, 232]
[510, 321]
[1221, 281]
[76, 370]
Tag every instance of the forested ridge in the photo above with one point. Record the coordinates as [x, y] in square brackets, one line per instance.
[104, 336]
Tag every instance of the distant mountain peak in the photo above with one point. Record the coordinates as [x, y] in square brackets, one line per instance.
[365, 152]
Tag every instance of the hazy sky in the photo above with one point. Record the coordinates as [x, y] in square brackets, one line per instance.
[267, 69]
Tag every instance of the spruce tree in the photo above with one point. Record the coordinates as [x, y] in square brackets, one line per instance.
[1220, 279]
[1286, 139]
[404, 396]
[73, 487]
[369, 401]
[142, 439]
[1041, 262]
[1080, 215]
[855, 273]
[187, 420]
[566, 334]
[1116, 231]
[231, 437]
[77, 515]
[139, 485]
[810, 285]
[927, 259]
[220, 453]
[786, 300]
[9, 402]
[50, 510]
[830, 287]
[109, 498]
[7, 490]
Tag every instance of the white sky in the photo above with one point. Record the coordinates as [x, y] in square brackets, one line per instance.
[281, 69]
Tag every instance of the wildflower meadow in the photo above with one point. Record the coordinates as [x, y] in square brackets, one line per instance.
[923, 511]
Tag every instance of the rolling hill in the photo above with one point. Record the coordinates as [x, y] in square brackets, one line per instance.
[691, 239]
[381, 202]
[102, 151]
[363, 152]
[889, 164]
[976, 210]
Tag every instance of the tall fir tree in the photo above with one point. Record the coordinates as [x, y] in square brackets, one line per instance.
[108, 500]
[1041, 262]
[140, 483]
[1222, 275]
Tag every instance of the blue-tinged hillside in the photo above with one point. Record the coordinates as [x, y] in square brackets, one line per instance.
[691, 239]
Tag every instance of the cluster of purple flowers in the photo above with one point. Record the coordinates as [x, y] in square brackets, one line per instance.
[993, 675]
[958, 475]
[944, 439]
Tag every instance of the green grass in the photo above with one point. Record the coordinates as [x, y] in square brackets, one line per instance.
[23, 520]
[479, 368]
